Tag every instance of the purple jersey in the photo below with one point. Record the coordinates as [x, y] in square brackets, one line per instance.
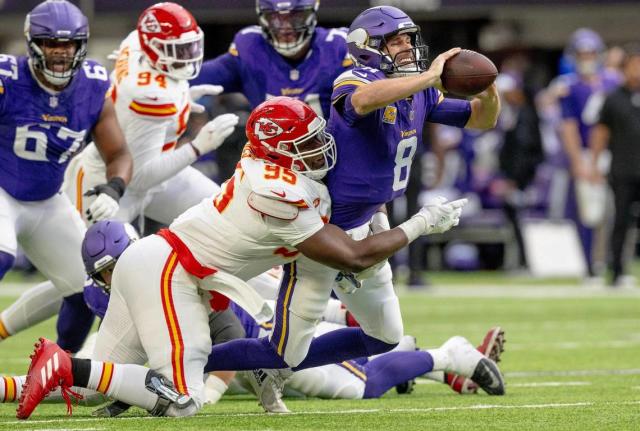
[41, 130]
[375, 151]
[584, 99]
[253, 67]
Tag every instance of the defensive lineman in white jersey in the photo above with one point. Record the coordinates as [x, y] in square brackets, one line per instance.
[152, 100]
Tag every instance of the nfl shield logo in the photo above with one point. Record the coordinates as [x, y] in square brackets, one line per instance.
[294, 75]
[53, 101]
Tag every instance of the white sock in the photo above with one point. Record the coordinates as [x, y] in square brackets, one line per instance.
[441, 361]
[123, 382]
[436, 376]
[214, 388]
[11, 388]
[35, 305]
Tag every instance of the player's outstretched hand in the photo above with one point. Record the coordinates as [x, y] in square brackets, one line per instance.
[213, 134]
[198, 91]
[441, 215]
[437, 216]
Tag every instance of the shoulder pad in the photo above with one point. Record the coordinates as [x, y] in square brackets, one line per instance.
[275, 208]
[245, 40]
[8, 66]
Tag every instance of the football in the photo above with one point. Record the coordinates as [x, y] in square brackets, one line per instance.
[468, 73]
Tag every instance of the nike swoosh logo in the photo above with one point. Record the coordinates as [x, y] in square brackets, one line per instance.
[151, 98]
[361, 75]
[281, 194]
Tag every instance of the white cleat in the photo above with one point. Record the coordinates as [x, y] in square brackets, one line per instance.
[268, 386]
[466, 360]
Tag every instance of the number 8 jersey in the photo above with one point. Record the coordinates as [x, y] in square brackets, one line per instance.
[375, 151]
[40, 129]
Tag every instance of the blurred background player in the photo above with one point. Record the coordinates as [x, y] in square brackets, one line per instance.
[287, 54]
[618, 128]
[581, 93]
[55, 99]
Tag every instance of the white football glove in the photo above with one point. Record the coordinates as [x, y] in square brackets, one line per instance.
[103, 208]
[213, 134]
[197, 91]
[437, 216]
[107, 196]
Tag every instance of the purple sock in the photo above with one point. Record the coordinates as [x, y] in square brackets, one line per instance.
[74, 322]
[244, 354]
[393, 368]
[341, 345]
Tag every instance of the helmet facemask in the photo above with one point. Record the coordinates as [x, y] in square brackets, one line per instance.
[313, 154]
[180, 59]
[409, 61]
[288, 31]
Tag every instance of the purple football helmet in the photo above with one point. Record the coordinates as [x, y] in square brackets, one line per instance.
[52, 22]
[288, 25]
[369, 33]
[586, 51]
[103, 244]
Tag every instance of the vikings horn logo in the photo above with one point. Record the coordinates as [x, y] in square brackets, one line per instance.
[266, 129]
[150, 23]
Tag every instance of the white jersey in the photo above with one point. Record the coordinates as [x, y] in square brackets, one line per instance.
[230, 234]
[152, 109]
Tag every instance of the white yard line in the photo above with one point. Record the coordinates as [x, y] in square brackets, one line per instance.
[423, 381]
[570, 373]
[347, 412]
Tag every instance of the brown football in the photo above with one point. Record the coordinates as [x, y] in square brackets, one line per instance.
[468, 73]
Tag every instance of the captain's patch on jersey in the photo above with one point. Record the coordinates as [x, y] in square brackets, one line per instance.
[390, 114]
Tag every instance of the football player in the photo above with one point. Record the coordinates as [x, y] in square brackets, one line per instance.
[377, 116]
[287, 54]
[270, 212]
[581, 95]
[152, 101]
[51, 101]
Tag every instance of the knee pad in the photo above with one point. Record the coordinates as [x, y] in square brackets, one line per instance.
[392, 329]
[6, 263]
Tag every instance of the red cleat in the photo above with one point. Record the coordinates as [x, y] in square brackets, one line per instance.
[491, 347]
[50, 367]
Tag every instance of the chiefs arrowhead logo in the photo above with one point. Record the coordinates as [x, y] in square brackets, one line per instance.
[150, 24]
[266, 129]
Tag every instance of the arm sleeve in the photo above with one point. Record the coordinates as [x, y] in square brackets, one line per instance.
[223, 70]
[452, 112]
[152, 166]
[294, 232]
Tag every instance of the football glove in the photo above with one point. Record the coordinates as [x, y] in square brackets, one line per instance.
[198, 91]
[213, 134]
[106, 204]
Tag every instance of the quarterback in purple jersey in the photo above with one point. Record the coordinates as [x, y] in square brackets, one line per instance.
[50, 103]
[286, 55]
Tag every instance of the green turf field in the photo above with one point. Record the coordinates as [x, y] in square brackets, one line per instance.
[572, 362]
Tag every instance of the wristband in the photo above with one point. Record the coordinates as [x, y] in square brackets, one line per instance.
[414, 227]
[118, 185]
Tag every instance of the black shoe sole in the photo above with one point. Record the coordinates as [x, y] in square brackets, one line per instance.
[488, 377]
